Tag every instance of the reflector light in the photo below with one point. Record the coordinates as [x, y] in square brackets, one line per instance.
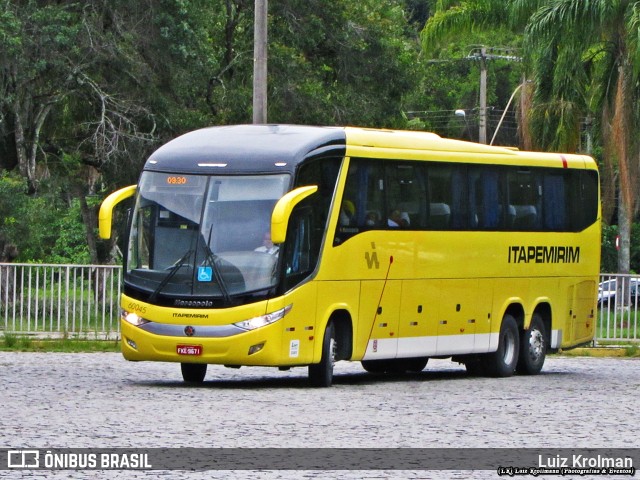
[255, 348]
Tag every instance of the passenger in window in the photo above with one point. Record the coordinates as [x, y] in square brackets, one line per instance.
[371, 219]
[398, 219]
[347, 213]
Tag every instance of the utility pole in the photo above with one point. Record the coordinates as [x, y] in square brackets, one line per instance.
[480, 54]
[482, 133]
[260, 62]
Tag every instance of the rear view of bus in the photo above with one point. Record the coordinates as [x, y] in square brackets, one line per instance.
[275, 246]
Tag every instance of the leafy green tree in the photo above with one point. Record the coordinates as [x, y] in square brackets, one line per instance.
[340, 62]
[34, 50]
[90, 88]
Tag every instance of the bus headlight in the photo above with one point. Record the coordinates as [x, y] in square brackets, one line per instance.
[133, 318]
[264, 320]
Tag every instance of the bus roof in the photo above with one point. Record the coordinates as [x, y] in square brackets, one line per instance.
[278, 148]
[420, 145]
[246, 148]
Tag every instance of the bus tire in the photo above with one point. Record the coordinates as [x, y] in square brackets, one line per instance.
[414, 364]
[374, 366]
[395, 366]
[502, 362]
[475, 366]
[533, 347]
[321, 374]
[193, 372]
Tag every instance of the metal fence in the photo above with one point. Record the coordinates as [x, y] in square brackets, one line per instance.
[60, 299]
[84, 300]
[618, 308]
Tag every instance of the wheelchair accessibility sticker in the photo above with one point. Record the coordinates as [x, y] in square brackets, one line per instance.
[205, 274]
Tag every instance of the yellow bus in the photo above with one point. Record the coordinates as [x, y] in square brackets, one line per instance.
[287, 246]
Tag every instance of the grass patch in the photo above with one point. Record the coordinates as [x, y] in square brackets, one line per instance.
[632, 351]
[23, 343]
[12, 341]
[9, 341]
[623, 351]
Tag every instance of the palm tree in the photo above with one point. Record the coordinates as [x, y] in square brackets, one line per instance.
[584, 56]
[586, 59]
[451, 17]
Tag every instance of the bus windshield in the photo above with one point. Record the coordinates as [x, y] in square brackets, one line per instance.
[205, 236]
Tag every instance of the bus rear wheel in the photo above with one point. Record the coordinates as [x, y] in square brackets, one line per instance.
[414, 365]
[193, 372]
[502, 362]
[321, 374]
[374, 366]
[533, 347]
[475, 365]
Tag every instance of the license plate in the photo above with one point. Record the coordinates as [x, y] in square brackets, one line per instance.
[189, 349]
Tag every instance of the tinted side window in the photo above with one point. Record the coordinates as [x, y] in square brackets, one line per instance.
[363, 202]
[554, 201]
[382, 194]
[309, 219]
[525, 199]
[387, 194]
[406, 193]
[583, 194]
[487, 198]
[440, 189]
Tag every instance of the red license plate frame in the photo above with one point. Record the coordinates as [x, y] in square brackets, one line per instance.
[189, 350]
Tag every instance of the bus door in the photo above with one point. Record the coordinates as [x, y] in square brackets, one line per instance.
[380, 309]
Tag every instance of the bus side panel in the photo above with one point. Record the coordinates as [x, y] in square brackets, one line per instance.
[458, 314]
[483, 315]
[298, 327]
[419, 313]
[507, 292]
[582, 318]
[334, 296]
[379, 318]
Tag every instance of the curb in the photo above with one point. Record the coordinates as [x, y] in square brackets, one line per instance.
[613, 351]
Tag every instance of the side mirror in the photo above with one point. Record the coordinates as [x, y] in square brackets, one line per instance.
[106, 209]
[282, 211]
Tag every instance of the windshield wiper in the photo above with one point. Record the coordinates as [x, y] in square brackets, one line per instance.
[212, 259]
[174, 269]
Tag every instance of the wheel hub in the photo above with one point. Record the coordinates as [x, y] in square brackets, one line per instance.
[536, 344]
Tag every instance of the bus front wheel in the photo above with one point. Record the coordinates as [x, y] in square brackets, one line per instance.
[193, 372]
[533, 347]
[502, 362]
[321, 374]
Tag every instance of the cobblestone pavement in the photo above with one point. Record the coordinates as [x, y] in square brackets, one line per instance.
[99, 400]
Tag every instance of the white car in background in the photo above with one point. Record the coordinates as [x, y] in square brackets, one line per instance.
[607, 290]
